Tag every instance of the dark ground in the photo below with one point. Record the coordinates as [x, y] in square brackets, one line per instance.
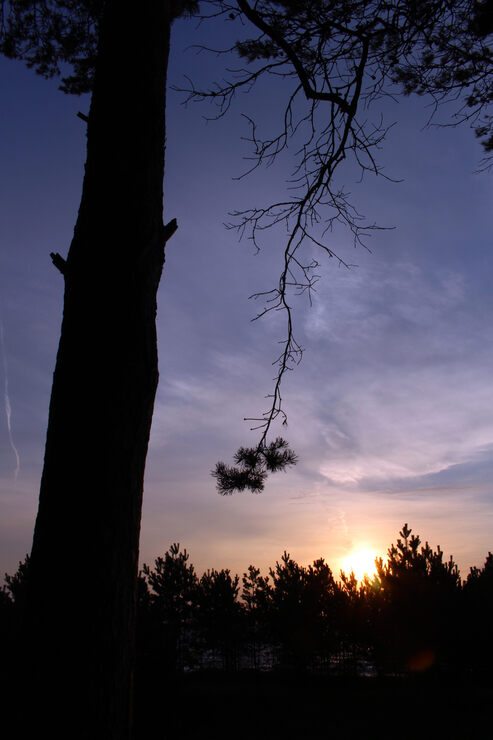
[270, 706]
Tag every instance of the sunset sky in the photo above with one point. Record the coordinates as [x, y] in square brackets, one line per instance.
[391, 410]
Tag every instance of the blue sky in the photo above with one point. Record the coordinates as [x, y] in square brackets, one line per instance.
[390, 411]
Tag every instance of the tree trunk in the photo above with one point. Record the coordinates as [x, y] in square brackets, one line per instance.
[81, 613]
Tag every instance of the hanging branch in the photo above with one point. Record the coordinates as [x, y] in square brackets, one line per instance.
[342, 57]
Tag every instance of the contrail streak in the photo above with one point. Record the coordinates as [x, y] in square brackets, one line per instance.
[8, 407]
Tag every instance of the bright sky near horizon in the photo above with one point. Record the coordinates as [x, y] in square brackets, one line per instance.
[391, 410]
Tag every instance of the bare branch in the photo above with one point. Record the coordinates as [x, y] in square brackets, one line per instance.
[343, 57]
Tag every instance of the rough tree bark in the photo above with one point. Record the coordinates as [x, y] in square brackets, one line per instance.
[80, 623]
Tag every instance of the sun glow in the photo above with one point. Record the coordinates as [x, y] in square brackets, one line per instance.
[361, 562]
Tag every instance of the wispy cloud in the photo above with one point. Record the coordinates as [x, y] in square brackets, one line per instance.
[408, 383]
[8, 407]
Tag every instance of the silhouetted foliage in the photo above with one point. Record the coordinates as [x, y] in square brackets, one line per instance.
[355, 638]
[336, 61]
[415, 616]
[15, 586]
[477, 629]
[219, 615]
[329, 49]
[252, 467]
[419, 600]
[256, 597]
[407, 619]
[302, 614]
[51, 34]
[455, 63]
[93, 473]
[12, 605]
[170, 605]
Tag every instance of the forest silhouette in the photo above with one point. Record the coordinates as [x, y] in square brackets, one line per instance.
[79, 628]
[217, 640]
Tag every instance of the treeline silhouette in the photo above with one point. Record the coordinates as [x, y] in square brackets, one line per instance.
[415, 615]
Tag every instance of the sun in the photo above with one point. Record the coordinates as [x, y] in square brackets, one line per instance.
[361, 562]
